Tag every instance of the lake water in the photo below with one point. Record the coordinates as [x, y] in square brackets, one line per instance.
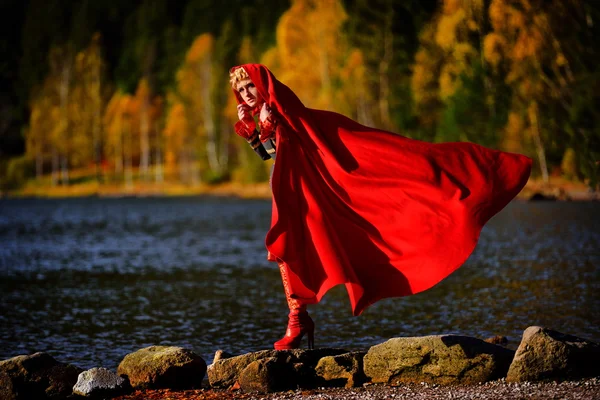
[90, 280]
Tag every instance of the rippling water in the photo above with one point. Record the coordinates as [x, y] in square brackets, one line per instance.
[90, 280]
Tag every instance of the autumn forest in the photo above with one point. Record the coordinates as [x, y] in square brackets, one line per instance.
[117, 92]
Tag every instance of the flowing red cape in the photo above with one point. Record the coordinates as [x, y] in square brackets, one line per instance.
[383, 214]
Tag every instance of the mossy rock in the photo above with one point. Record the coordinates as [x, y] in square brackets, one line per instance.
[36, 376]
[442, 359]
[224, 373]
[342, 370]
[163, 367]
[545, 354]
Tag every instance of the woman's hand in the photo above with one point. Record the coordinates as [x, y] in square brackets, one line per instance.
[267, 123]
[243, 111]
[265, 112]
[246, 126]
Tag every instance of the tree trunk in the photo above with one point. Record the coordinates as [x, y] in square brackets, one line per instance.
[148, 62]
[384, 66]
[158, 164]
[97, 120]
[194, 170]
[119, 157]
[39, 165]
[159, 175]
[97, 155]
[119, 151]
[224, 153]
[362, 111]
[55, 166]
[324, 69]
[537, 140]
[384, 84]
[144, 141]
[487, 81]
[128, 160]
[209, 122]
[64, 170]
[182, 166]
[64, 87]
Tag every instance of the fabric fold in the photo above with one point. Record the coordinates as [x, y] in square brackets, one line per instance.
[385, 215]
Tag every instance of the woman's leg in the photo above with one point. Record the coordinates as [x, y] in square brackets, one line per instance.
[299, 322]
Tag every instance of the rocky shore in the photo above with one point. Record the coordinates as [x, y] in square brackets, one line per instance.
[586, 389]
[547, 364]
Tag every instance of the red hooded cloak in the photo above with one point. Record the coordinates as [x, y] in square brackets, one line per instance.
[383, 214]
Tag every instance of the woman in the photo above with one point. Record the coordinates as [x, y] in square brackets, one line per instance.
[383, 214]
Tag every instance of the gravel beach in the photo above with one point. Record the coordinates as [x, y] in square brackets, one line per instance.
[587, 389]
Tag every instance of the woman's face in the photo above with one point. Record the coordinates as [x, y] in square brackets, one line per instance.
[249, 93]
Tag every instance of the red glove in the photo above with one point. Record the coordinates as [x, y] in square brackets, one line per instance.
[267, 129]
[267, 123]
[246, 128]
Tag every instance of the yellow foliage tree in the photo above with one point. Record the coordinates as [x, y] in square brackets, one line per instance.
[449, 48]
[80, 116]
[176, 127]
[524, 49]
[92, 81]
[195, 89]
[39, 137]
[61, 70]
[180, 143]
[447, 51]
[85, 106]
[66, 111]
[118, 120]
[424, 82]
[311, 54]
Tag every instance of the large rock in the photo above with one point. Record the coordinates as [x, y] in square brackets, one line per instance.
[266, 375]
[163, 367]
[224, 373]
[100, 383]
[36, 376]
[443, 359]
[342, 370]
[545, 354]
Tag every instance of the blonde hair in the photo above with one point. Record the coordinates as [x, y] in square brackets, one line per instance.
[237, 75]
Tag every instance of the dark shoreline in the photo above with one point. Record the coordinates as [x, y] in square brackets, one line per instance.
[558, 190]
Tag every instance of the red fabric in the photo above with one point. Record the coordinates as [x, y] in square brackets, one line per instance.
[381, 213]
[267, 130]
[243, 130]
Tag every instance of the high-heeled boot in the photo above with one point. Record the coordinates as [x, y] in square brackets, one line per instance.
[299, 322]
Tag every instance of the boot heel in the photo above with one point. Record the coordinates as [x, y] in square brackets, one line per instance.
[299, 324]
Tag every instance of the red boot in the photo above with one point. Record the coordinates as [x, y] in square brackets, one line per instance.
[299, 322]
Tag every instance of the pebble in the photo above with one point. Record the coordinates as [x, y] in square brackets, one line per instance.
[586, 389]
[574, 390]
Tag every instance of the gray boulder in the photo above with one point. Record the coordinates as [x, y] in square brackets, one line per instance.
[266, 375]
[224, 373]
[100, 383]
[163, 367]
[342, 370]
[442, 359]
[36, 376]
[299, 365]
[545, 354]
